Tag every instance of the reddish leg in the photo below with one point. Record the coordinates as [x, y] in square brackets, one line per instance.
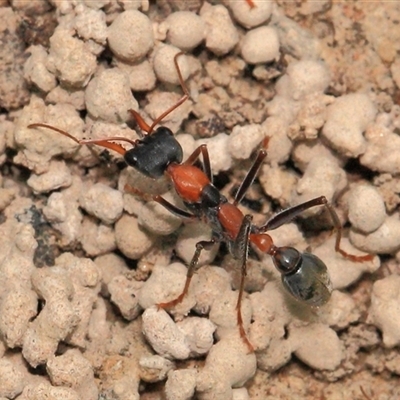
[240, 250]
[193, 267]
[287, 215]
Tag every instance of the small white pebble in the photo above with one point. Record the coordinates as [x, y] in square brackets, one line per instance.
[108, 96]
[240, 394]
[35, 70]
[278, 183]
[102, 202]
[385, 240]
[91, 24]
[223, 313]
[133, 241]
[96, 238]
[130, 36]
[199, 334]
[340, 311]
[212, 281]
[164, 65]
[141, 75]
[316, 345]
[275, 356]
[37, 146]
[47, 391]
[343, 272]
[219, 157]
[282, 106]
[181, 384]
[157, 219]
[221, 33]
[304, 151]
[244, 139]
[303, 78]
[154, 368]
[279, 145]
[64, 214]
[229, 363]
[366, 208]
[322, 176]
[185, 30]
[260, 45]
[188, 144]
[382, 149]
[110, 265]
[11, 379]
[70, 60]
[300, 42]
[385, 311]
[166, 283]
[164, 336]
[347, 119]
[124, 294]
[248, 16]
[73, 370]
[58, 176]
[268, 305]
[59, 94]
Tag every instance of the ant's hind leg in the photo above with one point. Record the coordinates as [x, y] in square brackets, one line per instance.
[240, 250]
[287, 215]
[193, 267]
[338, 227]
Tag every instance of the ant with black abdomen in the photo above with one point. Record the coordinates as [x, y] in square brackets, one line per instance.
[158, 153]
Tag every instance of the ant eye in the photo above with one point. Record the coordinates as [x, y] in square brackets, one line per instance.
[286, 259]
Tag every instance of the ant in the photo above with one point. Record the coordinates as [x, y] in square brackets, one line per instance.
[158, 153]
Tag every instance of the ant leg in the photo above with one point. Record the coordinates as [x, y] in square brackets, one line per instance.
[173, 209]
[240, 250]
[105, 142]
[193, 267]
[287, 215]
[206, 160]
[338, 228]
[249, 178]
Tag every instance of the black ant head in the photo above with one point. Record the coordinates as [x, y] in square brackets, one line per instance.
[304, 275]
[152, 154]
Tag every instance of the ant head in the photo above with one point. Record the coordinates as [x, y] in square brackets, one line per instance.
[153, 153]
[304, 275]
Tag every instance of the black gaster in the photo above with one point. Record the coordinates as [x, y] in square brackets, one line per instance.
[152, 154]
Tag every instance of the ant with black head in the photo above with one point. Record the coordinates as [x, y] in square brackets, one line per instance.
[158, 153]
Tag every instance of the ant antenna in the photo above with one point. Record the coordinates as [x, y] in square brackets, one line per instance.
[178, 103]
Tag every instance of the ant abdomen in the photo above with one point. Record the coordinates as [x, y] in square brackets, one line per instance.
[304, 276]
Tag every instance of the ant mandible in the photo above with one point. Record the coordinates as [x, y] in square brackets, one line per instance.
[158, 152]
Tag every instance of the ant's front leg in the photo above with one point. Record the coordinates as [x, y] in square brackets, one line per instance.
[173, 209]
[193, 267]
